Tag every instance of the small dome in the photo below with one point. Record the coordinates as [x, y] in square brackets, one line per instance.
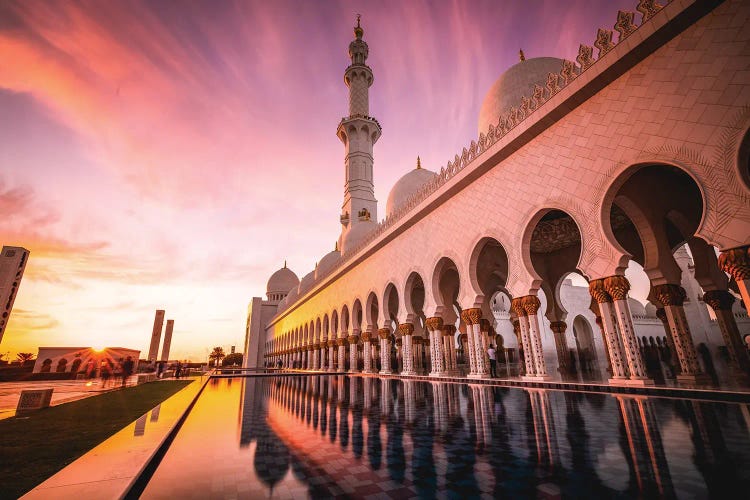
[292, 296]
[282, 281]
[358, 231]
[636, 307]
[406, 186]
[650, 310]
[516, 82]
[307, 282]
[326, 263]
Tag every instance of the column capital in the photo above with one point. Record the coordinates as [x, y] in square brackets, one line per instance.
[661, 314]
[341, 342]
[617, 286]
[736, 262]
[558, 326]
[406, 328]
[669, 294]
[449, 330]
[365, 336]
[530, 304]
[719, 300]
[353, 339]
[598, 292]
[517, 307]
[331, 342]
[384, 333]
[434, 323]
[471, 316]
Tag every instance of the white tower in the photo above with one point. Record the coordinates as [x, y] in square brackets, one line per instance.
[359, 132]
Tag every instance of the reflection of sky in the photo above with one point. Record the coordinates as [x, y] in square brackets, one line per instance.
[173, 154]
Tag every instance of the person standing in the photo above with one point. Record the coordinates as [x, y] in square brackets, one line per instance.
[492, 354]
[127, 370]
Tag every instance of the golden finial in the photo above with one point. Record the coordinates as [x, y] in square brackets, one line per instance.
[358, 31]
[521, 56]
[419, 163]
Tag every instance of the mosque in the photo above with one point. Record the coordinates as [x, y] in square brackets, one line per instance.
[636, 153]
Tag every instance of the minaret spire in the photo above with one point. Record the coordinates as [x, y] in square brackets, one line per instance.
[359, 132]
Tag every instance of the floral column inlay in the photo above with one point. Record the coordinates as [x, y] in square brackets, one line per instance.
[523, 324]
[385, 351]
[736, 262]
[406, 330]
[617, 287]
[353, 340]
[609, 325]
[434, 325]
[531, 305]
[448, 337]
[341, 342]
[672, 298]
[563, 356]
[366, 354]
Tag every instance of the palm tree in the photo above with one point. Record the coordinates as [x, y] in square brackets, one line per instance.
[23, 357]
[216, 355]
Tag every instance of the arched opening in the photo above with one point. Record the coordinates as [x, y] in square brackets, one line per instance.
[554, 251]
[675, 275]
[414, 295]
[585, 355]
[61, 365]
[390, 302]
[46, 366]
[446, 285]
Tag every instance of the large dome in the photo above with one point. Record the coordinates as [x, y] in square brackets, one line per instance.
[282, 281]
[326, 263]
[356, 234]
[516, 82]
[406, 186]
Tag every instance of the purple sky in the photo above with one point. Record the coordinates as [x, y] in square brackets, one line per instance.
[172, 154]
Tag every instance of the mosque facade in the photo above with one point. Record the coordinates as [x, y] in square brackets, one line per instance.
[637, 151]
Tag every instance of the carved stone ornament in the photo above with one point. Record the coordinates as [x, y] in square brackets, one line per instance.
[341, 342]
[530, 304]
[434, 323]
[552, 83]
[332, 343]
[598, 292]
[624, 25]
[384, 333]
[365, 336]
[406, 328]
[568, 72]
[617, 286]
[475, 314]
[517, 307]
[719, 300]
[558, 327]
[604, 41]
[484, 325]
[353, 339]
[669, 294]
[648, 8]
[585, 56]
[449, 330]
[736, 262]
[661, 314]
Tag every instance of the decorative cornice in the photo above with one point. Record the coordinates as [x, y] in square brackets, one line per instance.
[384, 333]
[558, 327]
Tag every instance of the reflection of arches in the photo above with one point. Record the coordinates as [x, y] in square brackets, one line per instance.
[585, 346]
[46, 366]
[61, 365]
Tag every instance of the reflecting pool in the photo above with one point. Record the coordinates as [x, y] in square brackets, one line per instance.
[351, 437]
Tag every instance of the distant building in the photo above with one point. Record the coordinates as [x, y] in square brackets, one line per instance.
[81, 359]
[153, 350]
[12, 264]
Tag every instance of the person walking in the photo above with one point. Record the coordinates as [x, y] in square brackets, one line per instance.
[127, 370]
[492, 354]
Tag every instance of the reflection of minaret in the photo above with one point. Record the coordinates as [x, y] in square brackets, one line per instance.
[645, 445]
[358, 132]
[153, 350]
[167, 340]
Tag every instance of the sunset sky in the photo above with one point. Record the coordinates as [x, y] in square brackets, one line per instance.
[172, 154]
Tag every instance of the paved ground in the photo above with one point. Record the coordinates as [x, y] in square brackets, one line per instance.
[64, 391]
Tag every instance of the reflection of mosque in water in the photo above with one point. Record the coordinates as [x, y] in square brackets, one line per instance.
[361, 436]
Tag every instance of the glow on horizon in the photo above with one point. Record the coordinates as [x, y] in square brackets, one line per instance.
[173, 155]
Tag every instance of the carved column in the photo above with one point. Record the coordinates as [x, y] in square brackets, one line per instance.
[407, 353]
[353, 340]
[721, 302]
[450, 358]
[385, 351]
[434, 326]
[672, 297]
[323, 349]
[531, 305]
[418, 354]
[470, 351]
[662, 315]
[342, 351]
[332, 355]
[616, 356]
[736, 262]
[523, 324]
[366, 354]
[473, 317]
[563, 355]
[315, 356]
[617, 287]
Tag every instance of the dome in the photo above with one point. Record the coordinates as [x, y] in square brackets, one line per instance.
[356, 234]
[636, 308]
[516, 82]
[406, 186]
[307, 282]
[650, 310]
[282, 281]
[326, 263]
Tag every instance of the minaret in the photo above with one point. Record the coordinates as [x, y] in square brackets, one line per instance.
[359, 132]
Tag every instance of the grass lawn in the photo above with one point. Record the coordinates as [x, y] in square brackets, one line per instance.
[34, 448]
